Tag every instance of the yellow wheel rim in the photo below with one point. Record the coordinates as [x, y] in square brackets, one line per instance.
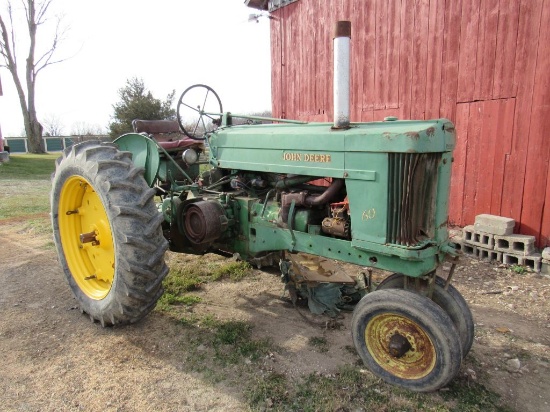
[417, 362]
[86, 237]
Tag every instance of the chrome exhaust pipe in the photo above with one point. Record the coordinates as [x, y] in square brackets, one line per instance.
[341, 89]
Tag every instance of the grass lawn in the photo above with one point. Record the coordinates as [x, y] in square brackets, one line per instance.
[25, 185]
[29, 166]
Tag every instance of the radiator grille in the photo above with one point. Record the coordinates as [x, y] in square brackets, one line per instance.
[411, 197]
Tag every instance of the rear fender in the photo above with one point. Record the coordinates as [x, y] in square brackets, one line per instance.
[145, 153]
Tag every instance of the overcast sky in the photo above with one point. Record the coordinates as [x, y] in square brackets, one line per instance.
[170, 44]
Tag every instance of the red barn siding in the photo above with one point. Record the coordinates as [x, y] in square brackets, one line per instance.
[538, 146]
[484, 65]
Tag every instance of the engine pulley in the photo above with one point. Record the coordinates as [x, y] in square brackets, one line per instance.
[203, 221]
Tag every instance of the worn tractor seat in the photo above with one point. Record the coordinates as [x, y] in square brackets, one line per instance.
[166, 132]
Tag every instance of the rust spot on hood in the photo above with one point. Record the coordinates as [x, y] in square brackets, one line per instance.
[413, 135]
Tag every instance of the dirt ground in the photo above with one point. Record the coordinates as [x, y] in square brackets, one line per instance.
[53, 358]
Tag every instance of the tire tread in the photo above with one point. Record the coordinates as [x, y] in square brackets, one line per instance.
[136, 227]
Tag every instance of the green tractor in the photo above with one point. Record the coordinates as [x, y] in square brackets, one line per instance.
[302, 195]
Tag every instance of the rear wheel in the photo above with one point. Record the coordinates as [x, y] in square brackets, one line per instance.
[107, 232]
[406, 339]
[450, 300]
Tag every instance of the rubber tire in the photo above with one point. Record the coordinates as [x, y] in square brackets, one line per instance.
[434, 322]
[135, 224]
[450, 300]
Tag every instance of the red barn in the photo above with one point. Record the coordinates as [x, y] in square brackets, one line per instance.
[485, 65]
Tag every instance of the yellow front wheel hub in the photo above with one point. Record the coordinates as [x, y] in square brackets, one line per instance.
[418, 357]
[86, 237]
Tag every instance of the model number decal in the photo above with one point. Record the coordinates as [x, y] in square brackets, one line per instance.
[369, 214]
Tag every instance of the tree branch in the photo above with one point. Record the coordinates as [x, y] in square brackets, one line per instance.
[7, 47]
[7, 51]
[45, 59]
[43, 8]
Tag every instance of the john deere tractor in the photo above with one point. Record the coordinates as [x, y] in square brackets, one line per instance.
[301, 195]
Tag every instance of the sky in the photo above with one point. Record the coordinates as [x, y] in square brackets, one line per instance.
[170, 44]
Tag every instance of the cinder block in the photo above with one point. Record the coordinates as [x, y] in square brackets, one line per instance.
[489, 255]
[469, 250]
[533, 261]
[456, 244]
[546, 253]
[468, 233]
[496, 225]
[511, 259]
[516, 244]
[484, 240]
[477, 238]
[545, 268]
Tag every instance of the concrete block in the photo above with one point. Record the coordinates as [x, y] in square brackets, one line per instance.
[545, 268]
[546, 253]
[516, 244]
[469, 250]
[468, 233]
[457, 244]
[547, 261]
[496, 225]
[489, 255]
[484, 240]
[477, 238]
[511, 259]
[533, 261]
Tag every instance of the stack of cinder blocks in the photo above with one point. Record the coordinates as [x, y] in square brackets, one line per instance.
[492, 238]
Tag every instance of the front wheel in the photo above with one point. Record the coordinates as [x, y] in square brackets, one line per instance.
[450, 300]
[107, 232]
[406, 339]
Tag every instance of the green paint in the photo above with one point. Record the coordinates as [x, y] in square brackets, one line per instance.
[397, 180]
[144, 153]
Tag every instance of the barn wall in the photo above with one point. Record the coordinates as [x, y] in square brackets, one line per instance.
[484, 65]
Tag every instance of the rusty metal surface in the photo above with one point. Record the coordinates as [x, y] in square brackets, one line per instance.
[419, 358]
[412, 185]
[318, 269]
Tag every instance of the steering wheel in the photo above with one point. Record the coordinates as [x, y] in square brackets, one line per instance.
[199, 111]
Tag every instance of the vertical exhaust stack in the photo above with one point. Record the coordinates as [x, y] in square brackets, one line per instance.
[342, 37]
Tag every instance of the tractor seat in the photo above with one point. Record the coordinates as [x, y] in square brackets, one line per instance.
[166, 132]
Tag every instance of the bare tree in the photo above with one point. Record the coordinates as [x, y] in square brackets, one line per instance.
[87, 129]
[53, 125]
[35, 16]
